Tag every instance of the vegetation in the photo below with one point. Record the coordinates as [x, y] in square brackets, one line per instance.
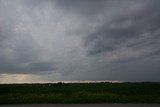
[80, 93]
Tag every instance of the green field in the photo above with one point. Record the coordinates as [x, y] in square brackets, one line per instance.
[80, 93]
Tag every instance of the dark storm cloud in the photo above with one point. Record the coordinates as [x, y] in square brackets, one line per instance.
[42, 66]
[19, 53]
[125, 27]
[83, 7]
[80, 39]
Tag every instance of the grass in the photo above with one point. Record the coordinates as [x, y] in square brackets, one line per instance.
[71, 93]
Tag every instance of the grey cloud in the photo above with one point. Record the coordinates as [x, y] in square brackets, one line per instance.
[80, 39]
[132, 25]
[42, 66]
[22, 55]
[83, 7]
[19, 52]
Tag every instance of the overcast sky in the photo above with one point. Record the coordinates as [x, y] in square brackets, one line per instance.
[55, 40]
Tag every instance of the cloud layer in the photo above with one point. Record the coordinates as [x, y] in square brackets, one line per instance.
[80, 40]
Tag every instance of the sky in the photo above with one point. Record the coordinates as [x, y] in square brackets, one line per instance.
[79, 40]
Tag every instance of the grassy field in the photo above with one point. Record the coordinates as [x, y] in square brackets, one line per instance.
[80, 93]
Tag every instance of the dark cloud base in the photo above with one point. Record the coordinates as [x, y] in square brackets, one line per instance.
[81, 40]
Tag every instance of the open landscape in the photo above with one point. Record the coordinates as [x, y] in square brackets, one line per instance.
[79, 53]
[82, 105]
[80, 93]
